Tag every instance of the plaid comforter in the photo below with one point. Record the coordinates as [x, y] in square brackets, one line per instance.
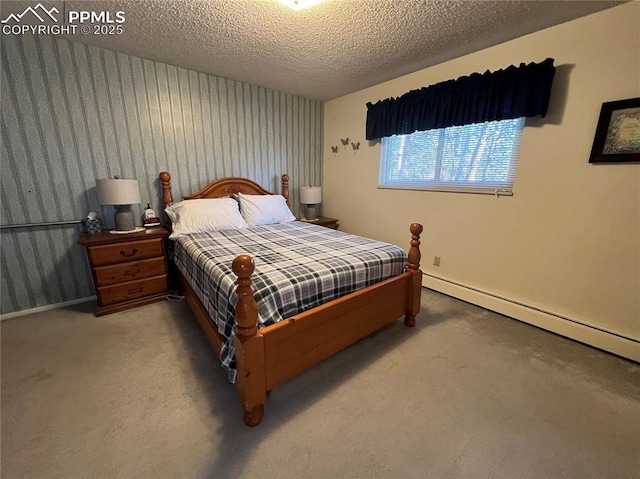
[298, 266]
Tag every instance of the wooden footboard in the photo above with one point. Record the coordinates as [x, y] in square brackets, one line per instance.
[294, 345]
[269, 356]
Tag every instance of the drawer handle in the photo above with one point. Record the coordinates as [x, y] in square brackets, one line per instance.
[136, 290]
[133, 252]
[131, 272]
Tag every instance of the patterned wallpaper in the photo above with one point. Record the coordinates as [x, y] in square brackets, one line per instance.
[73, 113]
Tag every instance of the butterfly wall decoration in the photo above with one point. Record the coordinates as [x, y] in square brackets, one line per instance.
[355, 146]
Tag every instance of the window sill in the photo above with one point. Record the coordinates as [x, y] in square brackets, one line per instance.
[497, 192]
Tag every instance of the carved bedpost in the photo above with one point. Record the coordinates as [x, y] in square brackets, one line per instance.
[413, 265]
[246, 309]
[249, 345]
[285, 187]
[414, 250]
[167, 197]
[165, 180]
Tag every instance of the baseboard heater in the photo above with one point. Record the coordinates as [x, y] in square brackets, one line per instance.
[593, 335]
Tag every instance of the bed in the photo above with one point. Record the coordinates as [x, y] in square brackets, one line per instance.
[264, 350]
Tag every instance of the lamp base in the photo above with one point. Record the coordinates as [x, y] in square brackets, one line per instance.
[311, 212]
[124, 218]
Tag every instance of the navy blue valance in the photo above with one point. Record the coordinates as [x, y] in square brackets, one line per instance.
[501, 95]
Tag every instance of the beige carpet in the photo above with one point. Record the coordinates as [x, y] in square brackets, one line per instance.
[465, 394]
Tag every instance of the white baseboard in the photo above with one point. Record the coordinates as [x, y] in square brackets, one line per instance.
[46, 307]
[620, 344]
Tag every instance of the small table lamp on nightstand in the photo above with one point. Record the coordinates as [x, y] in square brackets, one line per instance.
[122, 194]
[311, 197]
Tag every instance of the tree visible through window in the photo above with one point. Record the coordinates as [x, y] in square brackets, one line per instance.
[478, 158]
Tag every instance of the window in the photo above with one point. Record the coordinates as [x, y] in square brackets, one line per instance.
[478, 158]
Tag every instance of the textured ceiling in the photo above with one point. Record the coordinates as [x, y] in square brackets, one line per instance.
[329, 50]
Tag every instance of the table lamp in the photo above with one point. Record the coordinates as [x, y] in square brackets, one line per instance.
[311, 197]
[122, 194]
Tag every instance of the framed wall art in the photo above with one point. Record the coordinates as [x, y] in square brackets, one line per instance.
[617, 136]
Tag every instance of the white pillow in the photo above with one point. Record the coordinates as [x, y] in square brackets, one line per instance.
[264, 209]
[204, 215]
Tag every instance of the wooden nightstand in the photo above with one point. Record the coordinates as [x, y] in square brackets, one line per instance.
[326, 222]
[129, 270]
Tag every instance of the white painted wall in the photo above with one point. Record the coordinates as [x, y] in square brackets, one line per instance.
[568, 241]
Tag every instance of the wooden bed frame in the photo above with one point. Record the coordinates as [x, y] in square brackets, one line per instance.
[271, 355]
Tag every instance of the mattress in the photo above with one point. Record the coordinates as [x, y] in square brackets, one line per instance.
[298, 266]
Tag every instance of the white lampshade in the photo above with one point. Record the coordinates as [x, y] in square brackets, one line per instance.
[310, 195]
[118, 191]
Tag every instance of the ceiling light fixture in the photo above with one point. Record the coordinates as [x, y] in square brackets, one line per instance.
[299, 4]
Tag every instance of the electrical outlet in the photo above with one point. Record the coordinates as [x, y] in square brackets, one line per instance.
[436, 260]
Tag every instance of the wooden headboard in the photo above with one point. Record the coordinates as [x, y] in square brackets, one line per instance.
[220, 188]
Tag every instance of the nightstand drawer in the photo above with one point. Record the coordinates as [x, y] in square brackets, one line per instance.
[126, 251]
[119, 273]
[131, 290]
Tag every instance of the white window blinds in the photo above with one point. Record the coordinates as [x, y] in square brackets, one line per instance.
[477, 158]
